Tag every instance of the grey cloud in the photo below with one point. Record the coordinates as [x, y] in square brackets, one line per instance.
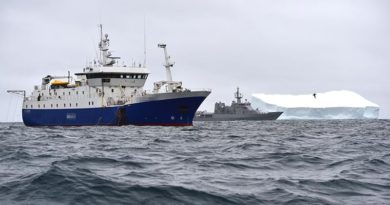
[300, 46]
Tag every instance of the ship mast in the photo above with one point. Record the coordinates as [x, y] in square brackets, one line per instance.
[105, 55]
[238, 95]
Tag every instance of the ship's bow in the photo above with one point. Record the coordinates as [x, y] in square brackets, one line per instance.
[165, 109]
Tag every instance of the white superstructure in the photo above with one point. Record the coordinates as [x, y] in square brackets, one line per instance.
[102, 83]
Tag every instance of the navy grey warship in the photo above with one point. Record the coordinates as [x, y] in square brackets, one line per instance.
[237, 111]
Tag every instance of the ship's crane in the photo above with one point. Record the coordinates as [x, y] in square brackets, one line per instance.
[172, 86]
[168, 64]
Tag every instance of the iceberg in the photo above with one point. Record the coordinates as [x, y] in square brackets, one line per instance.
[342, 104]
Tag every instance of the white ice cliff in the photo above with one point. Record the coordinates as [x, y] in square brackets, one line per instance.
[341, 104]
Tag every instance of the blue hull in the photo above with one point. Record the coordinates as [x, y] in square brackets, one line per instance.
[170, 112]
[173, 112]
[71, 117]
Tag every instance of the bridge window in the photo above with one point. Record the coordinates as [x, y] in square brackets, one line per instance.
[112, 75]
[92, 102]
[26, 106]
[105, 80]
[69, 93]
[112, 90]
[51, 105]
[139, 76]
[39, 106]
[64, 105]
[56, 105]
[70, 104]
[83, 92]
[44, 106]
[77, 92]
[77, 104]
[31, 106]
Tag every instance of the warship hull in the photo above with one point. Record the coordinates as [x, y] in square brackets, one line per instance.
[235, 117]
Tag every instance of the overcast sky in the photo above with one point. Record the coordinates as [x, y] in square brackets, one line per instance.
[269, 46]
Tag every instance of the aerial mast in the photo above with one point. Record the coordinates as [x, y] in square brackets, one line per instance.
[104, 44]
[144, 42]
[100, 44]
[238, 95]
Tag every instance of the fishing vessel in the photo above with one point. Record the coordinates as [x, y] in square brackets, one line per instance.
[109, 93]
[238, 110]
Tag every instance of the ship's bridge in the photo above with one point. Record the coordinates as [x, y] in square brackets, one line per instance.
[115, 76]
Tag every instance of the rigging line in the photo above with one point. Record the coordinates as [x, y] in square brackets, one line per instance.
[15, 110]
[8, 108]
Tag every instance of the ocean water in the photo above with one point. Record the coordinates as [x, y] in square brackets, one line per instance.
[268, 162]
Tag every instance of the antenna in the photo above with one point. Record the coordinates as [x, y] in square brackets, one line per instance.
[100, 42]
[238, 95]
[144, 41]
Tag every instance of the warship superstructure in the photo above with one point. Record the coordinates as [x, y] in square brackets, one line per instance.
[238, 110]
[109, 93]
